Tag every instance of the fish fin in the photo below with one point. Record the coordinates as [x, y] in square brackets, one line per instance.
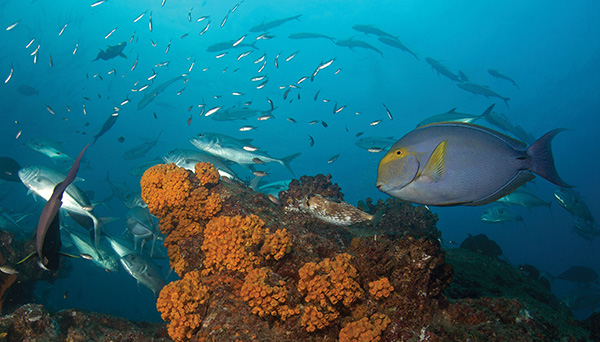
[27, 257]
[434, 169]
[487, 112]
[452, 110]
[377, 218]
[285, 161]
[542, 160]
[506, 99]
[123, 55]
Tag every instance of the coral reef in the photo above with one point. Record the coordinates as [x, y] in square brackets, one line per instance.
[228, 241]
[319, 184]
[181, 303]
[31, 322]
[271, 273]
[365, 330]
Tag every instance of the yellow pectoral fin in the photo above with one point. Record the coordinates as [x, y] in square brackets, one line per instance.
[434, 169]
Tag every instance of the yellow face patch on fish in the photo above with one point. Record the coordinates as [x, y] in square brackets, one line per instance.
[394, 155]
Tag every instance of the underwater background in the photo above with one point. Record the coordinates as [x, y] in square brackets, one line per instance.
[550, 49]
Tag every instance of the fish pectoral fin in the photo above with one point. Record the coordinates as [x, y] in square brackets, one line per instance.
[434, 169]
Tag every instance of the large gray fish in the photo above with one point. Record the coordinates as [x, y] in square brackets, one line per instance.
[496, 74]
[223, 46]
[144, 271]
[379, 143]
[9, 224]
[188, 159]
[586, 229]
[230, 148]
[500, 214]
[583, 297]
[524, 198]
[309, 35]
[27, 90]
[463, 164]
[354, 43]
[140, 150]
[52, 149]
[112, 52]
[393, 42]
[441, 69]
[99, 256]
[334, 212]
[152, 94]
[142, 226]
[42, 180]
[122, 248]
[370, 29]
[453, 116]
[484, 90]
[271, 24]
[140, 169]
[232, 114]
[573, 202]
[501, 121]
[273, 188]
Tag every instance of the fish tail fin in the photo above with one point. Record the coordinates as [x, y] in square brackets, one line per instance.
[487, 112]
[297, 17]
[286, 162]
[542, 160]
[377, 218]
[254, 183]
[506, 99]
[95, 235]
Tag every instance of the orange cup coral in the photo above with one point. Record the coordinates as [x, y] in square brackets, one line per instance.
[380, 288]
[228, 243]
[165, 186]
[365, 330]
[326, 284]
[266, 299]
[276, 245]
[180, 302]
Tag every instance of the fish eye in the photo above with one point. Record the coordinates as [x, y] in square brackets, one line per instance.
[399, 152]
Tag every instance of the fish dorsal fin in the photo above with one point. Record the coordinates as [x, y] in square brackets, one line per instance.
[247, 141]
[434, 169]
[452, 110]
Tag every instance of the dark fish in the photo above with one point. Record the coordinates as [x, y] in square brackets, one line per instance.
[309, 35]
[393, 42]
[9, 169]
[317, 95]
[482, 244]
[112, 52]
[441, 69]
[324, 123]
[463, 164]
[107, 125]
[312, 141]
[496, 74]
[271, 24]
[578, 274]
[27, 90]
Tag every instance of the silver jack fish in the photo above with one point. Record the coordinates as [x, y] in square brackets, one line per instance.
[337, 213]
[463, 164]
[42, 180]
[144, 271]
[230, 148]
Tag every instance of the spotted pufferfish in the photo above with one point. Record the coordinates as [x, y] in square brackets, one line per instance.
[337, 213]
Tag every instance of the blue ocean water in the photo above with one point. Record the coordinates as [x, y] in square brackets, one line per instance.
[550, 49]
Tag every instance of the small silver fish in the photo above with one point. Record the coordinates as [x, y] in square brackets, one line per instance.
[336, 213]
[8, 270]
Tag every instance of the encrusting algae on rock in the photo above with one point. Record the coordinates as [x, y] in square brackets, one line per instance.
[253, 271]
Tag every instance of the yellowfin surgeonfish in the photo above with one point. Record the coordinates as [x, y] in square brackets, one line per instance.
[454, 163]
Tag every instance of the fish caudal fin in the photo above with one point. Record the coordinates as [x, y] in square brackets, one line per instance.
[487, 112]
[506, 99]
[542, 160]
[286, 162]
